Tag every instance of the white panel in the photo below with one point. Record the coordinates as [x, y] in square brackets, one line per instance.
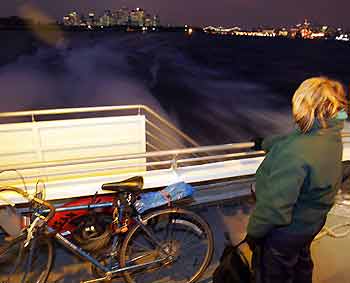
[16, 139]
[30, 142]
[93, 131]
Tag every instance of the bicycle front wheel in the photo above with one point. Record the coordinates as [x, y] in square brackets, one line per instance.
[173, 245]
[29, 264]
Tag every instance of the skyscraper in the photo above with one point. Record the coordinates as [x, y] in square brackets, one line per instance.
[137, 17]
[122, 16]
[107, 19]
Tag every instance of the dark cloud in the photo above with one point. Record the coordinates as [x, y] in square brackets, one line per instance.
[200, 12]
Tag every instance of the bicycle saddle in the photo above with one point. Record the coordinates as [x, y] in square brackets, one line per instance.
[133, 184]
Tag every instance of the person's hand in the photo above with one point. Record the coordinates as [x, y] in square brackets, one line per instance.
[253, 242]
[258, 143]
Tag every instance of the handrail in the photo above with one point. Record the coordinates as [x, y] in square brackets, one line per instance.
[170, 125]
[61, 111]
[174, 152]
[171, 162]
[165, 135]
[33, 113]
[158, 140]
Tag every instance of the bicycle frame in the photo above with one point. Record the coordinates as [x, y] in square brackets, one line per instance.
[111, 270]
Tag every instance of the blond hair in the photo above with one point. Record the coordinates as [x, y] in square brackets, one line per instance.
[317, 98]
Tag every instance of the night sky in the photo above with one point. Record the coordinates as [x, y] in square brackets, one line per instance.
[245, 13]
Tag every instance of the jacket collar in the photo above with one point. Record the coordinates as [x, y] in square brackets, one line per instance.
[333, 126]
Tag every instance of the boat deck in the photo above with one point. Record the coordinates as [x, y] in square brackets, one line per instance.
[331, 256]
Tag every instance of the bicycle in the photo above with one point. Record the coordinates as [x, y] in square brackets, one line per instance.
[163, 245]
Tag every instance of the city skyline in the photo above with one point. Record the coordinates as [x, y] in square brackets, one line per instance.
[196, 12]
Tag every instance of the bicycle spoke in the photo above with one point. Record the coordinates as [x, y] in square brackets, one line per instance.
[188, 244]
[171, 226]
[177, 233]
[151, 236]
[191, 238]
[182, 271]
[140, 257]
[141, 245]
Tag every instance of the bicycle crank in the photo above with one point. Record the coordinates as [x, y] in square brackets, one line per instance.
[108, 277]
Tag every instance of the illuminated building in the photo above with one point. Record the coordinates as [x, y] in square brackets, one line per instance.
[305, 33]
[72, 19]
[107, 19]
[283, 32]
[305, 30]
[293, 32]
[122, 16]
[75, 18]
[148, 21]
[91, 20]
[66, 20]
[137, 17]
[156, 21]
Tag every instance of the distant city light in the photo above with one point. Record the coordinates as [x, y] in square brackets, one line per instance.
[343, 37]
[318, 35]
[303, 31]
[137, 18]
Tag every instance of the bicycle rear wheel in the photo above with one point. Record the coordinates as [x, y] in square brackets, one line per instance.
[178, 239]
[29, 264]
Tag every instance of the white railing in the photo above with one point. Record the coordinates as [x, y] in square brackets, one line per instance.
[173, 159]
[87, 174]
[157, 126]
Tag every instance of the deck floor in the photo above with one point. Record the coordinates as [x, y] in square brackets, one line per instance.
[331, 255]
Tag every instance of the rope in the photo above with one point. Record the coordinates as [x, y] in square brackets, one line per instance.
[167, 197]
[330, 231]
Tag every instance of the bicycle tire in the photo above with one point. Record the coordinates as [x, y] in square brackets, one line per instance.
[21, 264]
[159, 222]
[93, 241]
[10, 249]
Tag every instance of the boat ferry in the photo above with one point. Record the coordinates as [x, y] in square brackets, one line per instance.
[65, 154]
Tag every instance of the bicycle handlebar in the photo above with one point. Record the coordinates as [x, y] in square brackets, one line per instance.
[32, 198]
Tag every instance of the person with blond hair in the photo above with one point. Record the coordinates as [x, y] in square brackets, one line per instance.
[296, 184]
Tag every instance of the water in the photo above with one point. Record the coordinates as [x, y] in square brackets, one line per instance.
[216, 89]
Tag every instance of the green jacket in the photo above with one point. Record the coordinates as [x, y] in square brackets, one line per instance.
[297, 181]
